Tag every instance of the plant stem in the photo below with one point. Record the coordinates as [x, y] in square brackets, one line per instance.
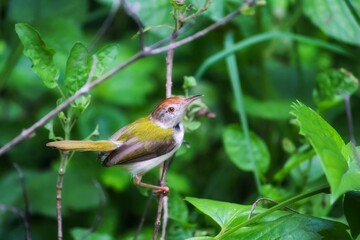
[59, 187]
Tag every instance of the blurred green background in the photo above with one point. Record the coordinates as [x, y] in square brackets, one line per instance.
[284, 46]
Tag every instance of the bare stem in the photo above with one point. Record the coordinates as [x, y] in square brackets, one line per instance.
[59, 187]
[143, 217]
[106, 24]
[100, 212]
[26, 201]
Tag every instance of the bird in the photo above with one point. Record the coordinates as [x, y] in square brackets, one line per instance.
[143, 144]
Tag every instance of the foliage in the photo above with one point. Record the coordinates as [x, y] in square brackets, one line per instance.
[279, 79]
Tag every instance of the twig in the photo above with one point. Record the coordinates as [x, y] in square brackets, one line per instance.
[165, 217]
[106, 24]
[26, 201]
[146, 51]
[138, 22]
[143, 217]
[157, 224]
[59, 187]
[269, 200]
[100, 212]
[13, 210]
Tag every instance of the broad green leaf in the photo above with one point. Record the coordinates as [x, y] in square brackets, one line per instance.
[225, 214]
[277, 225]
[78, 68]
[334, 18]
[272, 109]
[351, 210]
[328, 145]
[245, 155]
[80, 233]
[40, 55]
[332, 86]
[292, 226]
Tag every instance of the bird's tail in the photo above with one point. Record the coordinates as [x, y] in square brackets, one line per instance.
[77, 145]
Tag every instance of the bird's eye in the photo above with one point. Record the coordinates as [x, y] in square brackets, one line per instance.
[171, 109]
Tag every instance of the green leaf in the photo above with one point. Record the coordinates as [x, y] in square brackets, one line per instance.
[332, 86]
[245, 155]
[331, 149]
[105, 57]
[293, 226]
[277, 225]
[189, 82]
[80, 233]
[40, 55]
[351, 210]
[334, 18]
[50, 127]
[224, 214]
[78, 67]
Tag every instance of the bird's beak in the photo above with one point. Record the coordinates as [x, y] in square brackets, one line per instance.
[191, 99]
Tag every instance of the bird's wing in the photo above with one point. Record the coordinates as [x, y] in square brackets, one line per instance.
[133, 150]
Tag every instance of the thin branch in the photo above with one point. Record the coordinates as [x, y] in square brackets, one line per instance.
[143, 217]
[59, 188]
[100, 212]
[165, 217]
[26, 201]
[157, 224]
[106, 24]
[146, 51]
[130, 12]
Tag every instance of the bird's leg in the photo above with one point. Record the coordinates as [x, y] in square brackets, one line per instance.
[158, 189]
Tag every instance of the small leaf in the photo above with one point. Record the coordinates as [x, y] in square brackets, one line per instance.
[40, 55]
[78, 68]
[50, 127]
[189, 82]
[105, 56]
[332, 86]
[246, 155]
[351, 211]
